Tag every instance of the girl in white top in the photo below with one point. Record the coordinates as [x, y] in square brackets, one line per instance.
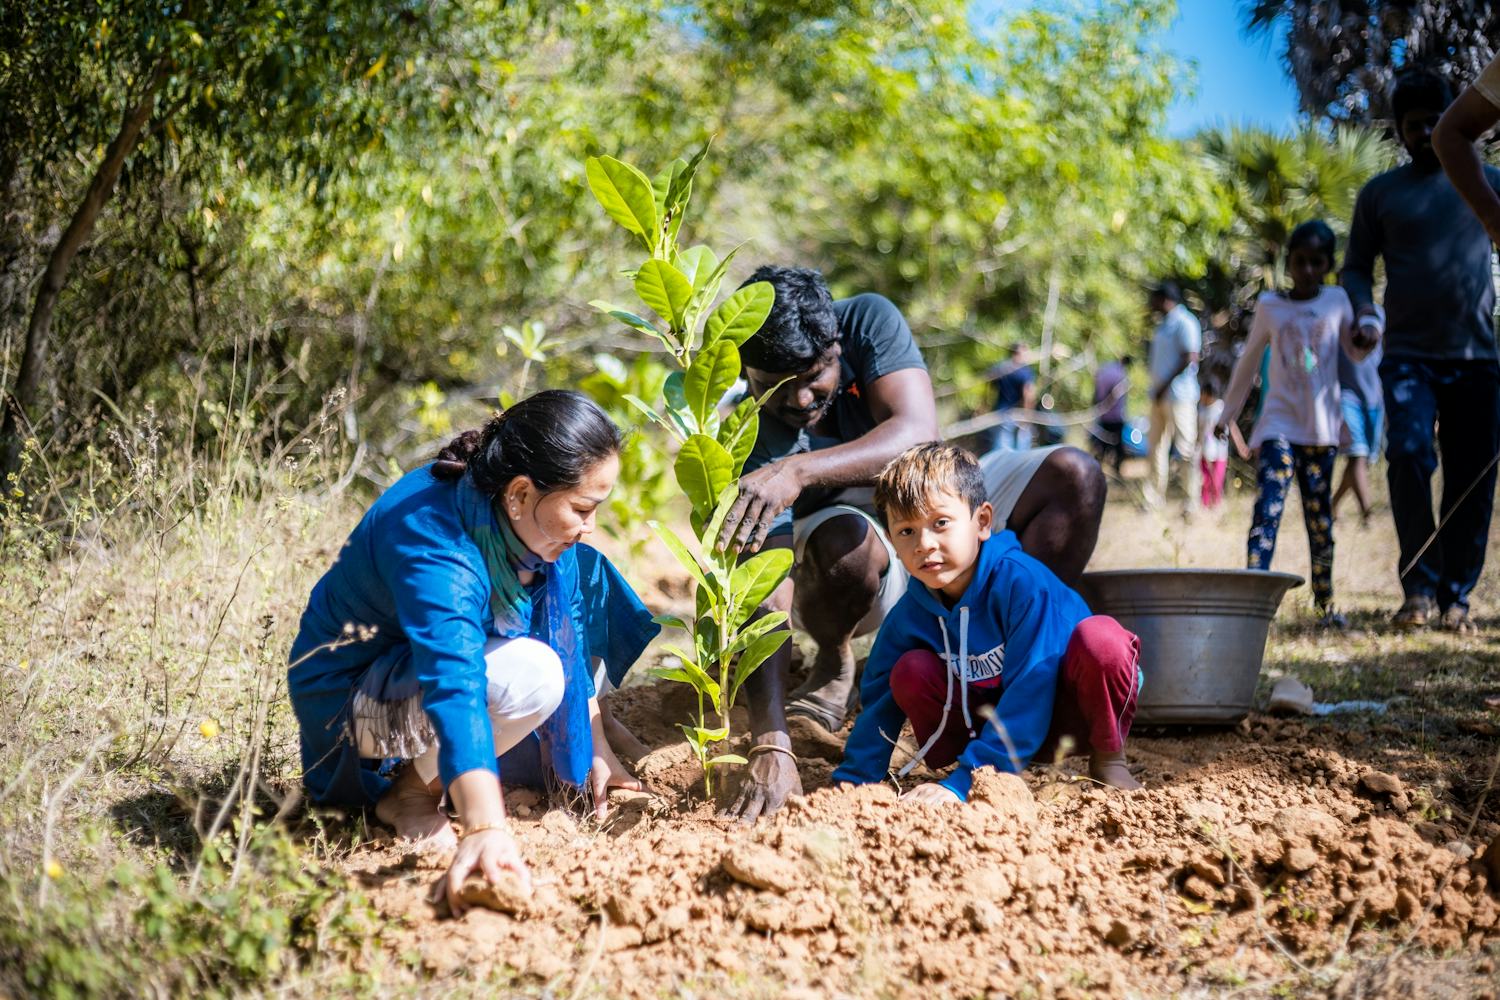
[1298, 429]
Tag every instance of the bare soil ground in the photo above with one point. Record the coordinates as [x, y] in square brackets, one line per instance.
[1340, 855]
[1343, 854]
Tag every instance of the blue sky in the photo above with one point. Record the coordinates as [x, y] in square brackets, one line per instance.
[1239, 80]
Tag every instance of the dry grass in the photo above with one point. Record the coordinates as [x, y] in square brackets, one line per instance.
[145, 738]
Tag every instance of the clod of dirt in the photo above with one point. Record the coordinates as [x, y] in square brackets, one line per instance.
[504, 896]
[1299, 859]
[808, 912]
[1005, 793]
[1299, 824]
[761, 868]
[1381, 783]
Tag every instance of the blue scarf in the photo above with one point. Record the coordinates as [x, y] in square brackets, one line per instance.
[544, 611]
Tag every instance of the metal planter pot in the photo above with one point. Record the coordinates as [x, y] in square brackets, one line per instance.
[1202, 632]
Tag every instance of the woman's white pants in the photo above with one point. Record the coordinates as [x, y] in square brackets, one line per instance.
[525, 686]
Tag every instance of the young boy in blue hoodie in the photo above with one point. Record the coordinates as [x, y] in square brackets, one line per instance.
[990, 632]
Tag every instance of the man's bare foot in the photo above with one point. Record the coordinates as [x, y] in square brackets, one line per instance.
[621, 740]
[411, 807]
[1110, 769]
[829, 693]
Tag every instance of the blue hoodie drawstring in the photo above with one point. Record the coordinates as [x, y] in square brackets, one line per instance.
[947, 703]
[963, 664]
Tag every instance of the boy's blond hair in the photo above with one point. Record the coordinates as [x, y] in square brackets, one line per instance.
[909, 481]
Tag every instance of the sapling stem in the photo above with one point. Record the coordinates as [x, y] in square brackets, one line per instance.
[679, 287]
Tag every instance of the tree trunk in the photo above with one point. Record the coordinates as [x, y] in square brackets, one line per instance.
[38, 331]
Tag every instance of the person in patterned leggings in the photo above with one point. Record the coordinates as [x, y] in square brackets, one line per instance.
[1298, 428]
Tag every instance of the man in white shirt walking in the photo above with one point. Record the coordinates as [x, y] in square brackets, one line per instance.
[1173, 367]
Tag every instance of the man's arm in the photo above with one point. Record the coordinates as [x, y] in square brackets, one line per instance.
[905, 413]
[1358, 275]
[1465, 121]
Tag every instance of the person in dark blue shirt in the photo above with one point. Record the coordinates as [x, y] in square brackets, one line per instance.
[1440, 370]
[1015, 389]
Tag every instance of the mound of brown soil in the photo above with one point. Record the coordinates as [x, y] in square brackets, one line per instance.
[1247, 851]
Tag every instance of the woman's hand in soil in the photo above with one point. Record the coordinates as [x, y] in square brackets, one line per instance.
[492, 853]
[769, 779]
[933, 793]
[608, 773]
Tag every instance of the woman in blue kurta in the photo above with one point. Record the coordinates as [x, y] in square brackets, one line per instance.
[458, 626]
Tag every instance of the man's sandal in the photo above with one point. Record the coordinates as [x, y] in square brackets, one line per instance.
[1456, 619]
[1417, 611]
[815, 722]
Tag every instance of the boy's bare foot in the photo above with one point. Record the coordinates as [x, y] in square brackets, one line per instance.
[1110, 769]
[621, 740]
[829, 693]
[412, 808]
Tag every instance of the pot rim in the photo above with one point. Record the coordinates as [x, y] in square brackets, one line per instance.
[1293, 579]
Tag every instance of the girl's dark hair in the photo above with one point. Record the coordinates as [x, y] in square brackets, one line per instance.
[554, 437]
[1315, 234]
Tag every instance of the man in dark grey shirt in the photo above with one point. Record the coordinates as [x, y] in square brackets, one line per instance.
[1440, 372]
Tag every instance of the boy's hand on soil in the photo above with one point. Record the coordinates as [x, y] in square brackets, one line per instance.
[608, 773]
[769, 779]
[764, 494]
[489, 852]
[933, 793]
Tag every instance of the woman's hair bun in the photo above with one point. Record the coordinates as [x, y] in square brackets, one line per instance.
[454, 458]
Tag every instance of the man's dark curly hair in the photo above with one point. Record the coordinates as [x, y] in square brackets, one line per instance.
[801, 327]
[1418, 90]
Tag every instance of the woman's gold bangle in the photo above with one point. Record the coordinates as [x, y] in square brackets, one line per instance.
[480, 828]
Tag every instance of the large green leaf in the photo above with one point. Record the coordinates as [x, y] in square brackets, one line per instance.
[665, 289]
[670, 621]
[680, 188]
[661, 187]
[756, 577]
[696, 675]
[703, 470]
[738, 432]
[721, 510]
[756, 629]
[754, 655]
[684, 556]
[673, 393]
[626, 196]
[656, 418]
[704, 290]
[625, 316]
[710, 375]
[740, 315]
[728, 758]
[697, 263]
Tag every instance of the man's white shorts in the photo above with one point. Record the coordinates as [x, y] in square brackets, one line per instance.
[1006, 476]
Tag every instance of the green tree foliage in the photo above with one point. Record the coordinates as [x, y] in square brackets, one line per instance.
[359, 199]
[1344, 56]
[280, 86]
[1274, 182]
